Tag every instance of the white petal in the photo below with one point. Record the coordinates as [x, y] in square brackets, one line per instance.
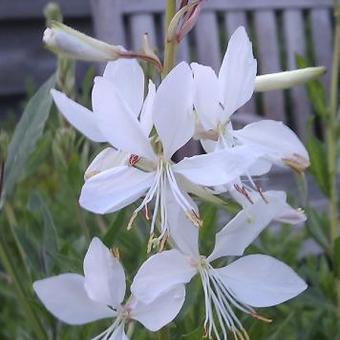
[128, 78]
[276, 139]
[106, 159]
[119, 334]
[182, 232]
[220, 167]
[290, 215]
[65, 297]
[208, 145]
[161, 311]
[104, 275]
[244, 228]
[207, 96]
[238, 72]
[114, 189]
[78, 116]
[146, 119]
[117, 122]
[161, 272]
[173, 109]
[261, 281]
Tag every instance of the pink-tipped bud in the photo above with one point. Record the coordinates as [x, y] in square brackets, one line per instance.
[184, 20]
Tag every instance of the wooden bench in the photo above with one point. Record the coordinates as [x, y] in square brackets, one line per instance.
[279, 30]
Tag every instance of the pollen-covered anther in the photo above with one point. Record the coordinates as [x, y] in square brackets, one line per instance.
[132, 219]
[260, 317]
[240, 334]
[115, 253]
[194, 218]
[297, 163]
[163, 241]
[151, 243]
[133, 160]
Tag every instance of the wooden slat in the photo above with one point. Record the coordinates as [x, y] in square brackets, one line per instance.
[183, 50]
[140, 24]
[269, 61]
[16, 9]
[233, 20]
[220, 5]
[206, 37]
[322, 40]
[295, 44]
[104, 13]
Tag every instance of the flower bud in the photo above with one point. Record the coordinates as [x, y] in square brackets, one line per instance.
[287, 79]
[64, 40]
[184, 20]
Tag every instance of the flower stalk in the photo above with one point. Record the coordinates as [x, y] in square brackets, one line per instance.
[169, 46]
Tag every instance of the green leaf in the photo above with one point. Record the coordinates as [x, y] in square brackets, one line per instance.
[319, 166]
[316, 227]
[114, 228]
[26, 135]
[207, 232]
[49, 247]
[315, 91]
[336, 257]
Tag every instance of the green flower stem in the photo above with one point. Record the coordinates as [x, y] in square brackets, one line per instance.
[169, 62]
[332, 124]
[169, 46]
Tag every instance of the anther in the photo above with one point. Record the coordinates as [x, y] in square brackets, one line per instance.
[150, 243]
[163, 241]
[260, 317]
[133, 159]
[115, 253]
[194, 218]
[132, 219]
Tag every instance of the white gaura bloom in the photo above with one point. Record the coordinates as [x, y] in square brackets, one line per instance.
[218, 97]
[77, 299]
[250, 281]
[143, 166]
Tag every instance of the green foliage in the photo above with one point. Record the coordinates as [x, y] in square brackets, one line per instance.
[26, 135]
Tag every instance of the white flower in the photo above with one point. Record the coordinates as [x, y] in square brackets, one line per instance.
[77, 299]
[217, 98]
[251, 281]
[245, 196]
[121, 118]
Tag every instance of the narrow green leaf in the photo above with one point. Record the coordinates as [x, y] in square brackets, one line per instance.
[49, 248]
[316, 228]
[26, 135]
[114, 228]
[315, 91]
[319, 167]
[208, 213]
